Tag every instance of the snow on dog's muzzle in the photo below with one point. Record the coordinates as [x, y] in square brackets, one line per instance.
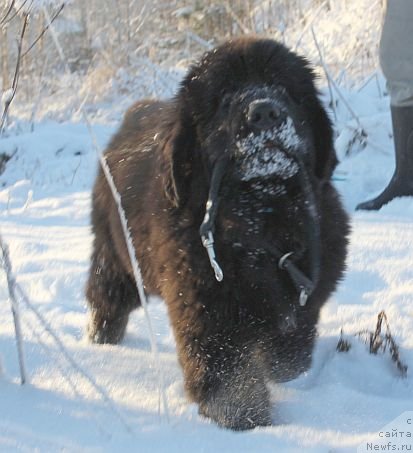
[269, 152]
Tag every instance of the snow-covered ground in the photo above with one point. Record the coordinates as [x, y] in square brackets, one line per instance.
[109, 401]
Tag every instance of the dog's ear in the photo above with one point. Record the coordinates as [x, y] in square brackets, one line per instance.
[325, 155]
[178, 153]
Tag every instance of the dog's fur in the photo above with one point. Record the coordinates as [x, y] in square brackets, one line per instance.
[235, 335]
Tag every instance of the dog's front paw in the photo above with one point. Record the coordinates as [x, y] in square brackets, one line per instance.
[238, 409]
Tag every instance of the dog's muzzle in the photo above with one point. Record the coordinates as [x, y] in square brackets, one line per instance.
[270, 147]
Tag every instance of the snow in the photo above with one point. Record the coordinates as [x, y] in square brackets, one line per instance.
[110, 400]
[6, 97]
[258, 157]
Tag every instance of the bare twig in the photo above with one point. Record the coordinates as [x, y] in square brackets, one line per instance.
[367, 81]
[329, 80]
[39, 95]
[75, 171]
[16, 292]
[161, 78]
[143, 15]
[125, 228]
[16, 13]
[360, 131]
[308, 20]
[9, 10]
[378, 342]
[56, 40]
[237, 20]
[16, 73]
[202, 42]
[11, 282]
[134, 262]
[70, 359]
[42, 33]
[343, 345]
[54, 355]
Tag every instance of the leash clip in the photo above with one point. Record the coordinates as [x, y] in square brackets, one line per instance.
[208, 243]
[303, 297]
[303, 284]
[283, 259]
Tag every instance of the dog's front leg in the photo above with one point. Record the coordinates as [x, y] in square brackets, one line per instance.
[226, 377]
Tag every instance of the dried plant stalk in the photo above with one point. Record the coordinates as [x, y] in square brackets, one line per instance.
[378, 341]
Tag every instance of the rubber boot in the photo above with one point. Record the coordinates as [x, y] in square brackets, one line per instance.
[401, 183]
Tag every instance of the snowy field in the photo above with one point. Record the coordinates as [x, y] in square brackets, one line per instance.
[106, 398]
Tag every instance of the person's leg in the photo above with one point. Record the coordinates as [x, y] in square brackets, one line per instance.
[396, 58]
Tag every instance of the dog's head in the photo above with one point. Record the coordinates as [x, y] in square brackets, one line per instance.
[255, 102]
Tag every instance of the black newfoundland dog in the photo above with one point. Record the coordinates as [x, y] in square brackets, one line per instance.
[227, 193]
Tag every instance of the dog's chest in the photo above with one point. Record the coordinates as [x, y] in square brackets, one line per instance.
[266, 211]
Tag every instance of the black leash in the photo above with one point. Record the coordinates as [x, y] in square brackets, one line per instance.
[304, 285]
[207, 227]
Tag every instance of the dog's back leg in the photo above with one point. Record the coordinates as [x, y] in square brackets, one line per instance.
[111, 294]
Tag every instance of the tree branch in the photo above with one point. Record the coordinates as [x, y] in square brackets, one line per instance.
[3, 21]
[42, 33]
[14, 307]
[16, 73]
[17, 10]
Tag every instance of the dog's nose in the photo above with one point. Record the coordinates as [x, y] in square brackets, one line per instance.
[264, 114]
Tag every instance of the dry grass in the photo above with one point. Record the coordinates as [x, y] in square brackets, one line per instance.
[379, 341]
